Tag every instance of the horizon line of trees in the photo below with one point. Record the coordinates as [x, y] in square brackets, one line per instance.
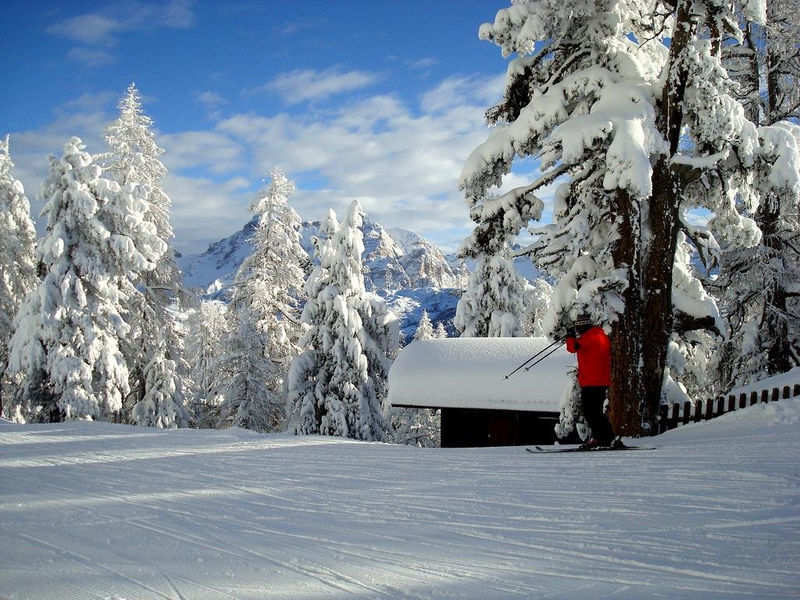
[639, 112]
[95, 322]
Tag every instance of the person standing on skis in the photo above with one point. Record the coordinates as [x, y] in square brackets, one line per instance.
[593, 349]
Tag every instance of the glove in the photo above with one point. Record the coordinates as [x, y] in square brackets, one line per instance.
[571, 332]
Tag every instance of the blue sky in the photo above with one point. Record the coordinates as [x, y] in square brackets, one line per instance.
[378, 101]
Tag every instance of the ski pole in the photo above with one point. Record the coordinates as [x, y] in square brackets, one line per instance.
[553, 351]
[542, 351]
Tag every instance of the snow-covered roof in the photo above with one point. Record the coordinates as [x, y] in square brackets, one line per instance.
[470, 373]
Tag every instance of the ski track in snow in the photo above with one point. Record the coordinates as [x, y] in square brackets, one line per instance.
[99, 511]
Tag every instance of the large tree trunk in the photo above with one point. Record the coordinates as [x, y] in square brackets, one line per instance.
[626, 392]
[662, 216]
[657, 315]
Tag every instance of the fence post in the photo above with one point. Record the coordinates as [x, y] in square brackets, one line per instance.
[786, 391]
[663, 412]
[776, 394]
[673, 422]
[742, 400]
[753, 398]
[698, 411]
[731, 403]
[709, 409]
[765, 396]
[687, 412]
[796, 389]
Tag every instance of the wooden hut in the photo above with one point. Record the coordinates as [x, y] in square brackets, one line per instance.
[466, 379]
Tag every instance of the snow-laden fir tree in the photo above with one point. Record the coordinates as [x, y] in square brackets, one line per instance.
[440, 331]
[424, 328]
[686, 375]
[760, 287]
[207, 335]
[155, 342]
[764, 60]
[68, 331]
[537, 304]
[625, 104]
[418, 426]
[337, 384]
[493, 302]
[17, 254]
[264, 314]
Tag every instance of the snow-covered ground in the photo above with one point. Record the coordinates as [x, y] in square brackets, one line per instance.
[96, 511]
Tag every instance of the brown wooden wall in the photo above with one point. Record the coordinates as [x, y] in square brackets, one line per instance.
[466, 428]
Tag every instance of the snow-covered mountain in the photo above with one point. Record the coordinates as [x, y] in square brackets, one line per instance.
[406, 270]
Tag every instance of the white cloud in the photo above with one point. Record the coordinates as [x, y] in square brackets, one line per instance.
[91, 57]
[423, 63]
[307, 84]
[210, 99]
[87, 29]
[401, 161]
[97, 32]
[206, 150]
[449, 93]
[204, 211]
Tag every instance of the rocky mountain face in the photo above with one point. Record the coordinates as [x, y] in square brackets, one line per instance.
[407, 271]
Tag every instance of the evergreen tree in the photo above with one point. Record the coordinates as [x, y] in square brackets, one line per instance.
[425, 328]
[207, 334]
[17, 254]
[156, 342]
[265, 326]
[627, 103]
[537, 304]
[764, 60]
[419, 426]
[493, 302]
[68, 331]
[760, 286]
[337, 384]
[441, 331]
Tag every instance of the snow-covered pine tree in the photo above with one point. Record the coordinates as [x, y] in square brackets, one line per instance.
[265, 325]
[440, 331]
[307, 375]
[537, 304]
[493, 302]
[207, 334]
[760, 287]
[337, 384]
[764, 60]
[155, 341]
[69, 329]
[424, 328]
[17, 254]
[380, 340]
[418, 426]
[627, 104]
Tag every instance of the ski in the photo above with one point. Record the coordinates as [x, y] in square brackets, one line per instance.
[558, 449]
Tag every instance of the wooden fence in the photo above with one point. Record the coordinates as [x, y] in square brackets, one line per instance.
[672, 415]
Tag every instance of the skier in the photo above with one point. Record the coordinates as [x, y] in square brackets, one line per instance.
[592, 346]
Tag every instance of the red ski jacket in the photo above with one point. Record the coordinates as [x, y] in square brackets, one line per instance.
[594, 357]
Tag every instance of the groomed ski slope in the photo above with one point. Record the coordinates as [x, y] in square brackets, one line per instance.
[100, 511]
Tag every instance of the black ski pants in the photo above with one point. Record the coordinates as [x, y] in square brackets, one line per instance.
[592, 401]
